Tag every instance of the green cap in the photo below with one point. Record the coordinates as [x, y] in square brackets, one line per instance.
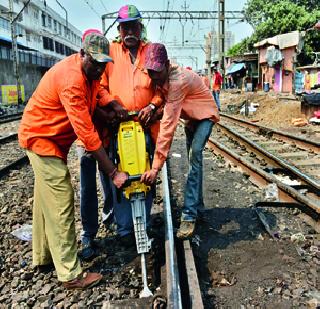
[97, 46]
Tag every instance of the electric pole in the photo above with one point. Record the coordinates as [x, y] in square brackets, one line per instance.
[221, 33]
[15, 56]
[183, 23]
[208, 48]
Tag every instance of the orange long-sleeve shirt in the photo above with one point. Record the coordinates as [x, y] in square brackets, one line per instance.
[129, 83]
[60, 111]
[186, 97]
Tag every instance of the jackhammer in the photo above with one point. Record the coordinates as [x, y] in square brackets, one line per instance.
[134, 158]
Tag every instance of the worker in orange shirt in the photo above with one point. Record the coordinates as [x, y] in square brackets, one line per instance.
[205, 80]
[58, 113]
[186, 96]
[126, 82]
[216, 85]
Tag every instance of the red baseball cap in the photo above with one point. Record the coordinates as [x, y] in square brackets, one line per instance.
[156, 57]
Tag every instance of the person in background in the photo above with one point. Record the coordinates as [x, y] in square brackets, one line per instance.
[126, 82]
[205, 80]
[216, 86]
[186, 96]
[58, 113]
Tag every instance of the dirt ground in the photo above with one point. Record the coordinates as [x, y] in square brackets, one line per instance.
[238, 263]
[274, 111]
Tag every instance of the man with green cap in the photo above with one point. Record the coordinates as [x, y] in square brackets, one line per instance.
[58, 113]
[127, 82]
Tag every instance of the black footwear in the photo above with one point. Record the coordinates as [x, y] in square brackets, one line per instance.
[45, 269]
[127, 241]
[89, 249]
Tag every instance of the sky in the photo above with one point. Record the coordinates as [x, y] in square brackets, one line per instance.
[85, 14]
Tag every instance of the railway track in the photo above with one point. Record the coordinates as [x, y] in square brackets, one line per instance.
[12, 156]
[10, 118]
[270, 156]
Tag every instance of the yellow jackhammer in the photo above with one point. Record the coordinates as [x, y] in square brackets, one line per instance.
[134, 159]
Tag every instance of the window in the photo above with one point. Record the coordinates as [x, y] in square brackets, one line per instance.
[49, 21]
[55, 25]
[48, 43]
[60, 31]
[19, 29]
[4, 24]
[43, 17]
[28, 37]
[36, 14]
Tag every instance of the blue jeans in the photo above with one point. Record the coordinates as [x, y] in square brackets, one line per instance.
[88, 195]
[123, 213]
[216, 96]
[196, 138]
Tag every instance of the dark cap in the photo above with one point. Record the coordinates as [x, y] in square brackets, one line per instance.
[97, 46]
[156, 57]
[128, 13]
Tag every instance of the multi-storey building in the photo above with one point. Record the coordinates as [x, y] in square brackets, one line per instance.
[43, 36]
[228, 42]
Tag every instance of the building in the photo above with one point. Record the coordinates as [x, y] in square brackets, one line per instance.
[43, 36]
[228, 42]
[277, 61]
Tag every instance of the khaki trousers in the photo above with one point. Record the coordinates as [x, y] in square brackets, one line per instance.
[53, 227]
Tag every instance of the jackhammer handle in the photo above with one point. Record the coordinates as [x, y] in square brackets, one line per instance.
[134, 177]
[133, 113]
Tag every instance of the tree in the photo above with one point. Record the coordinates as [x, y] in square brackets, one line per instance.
[281, 16]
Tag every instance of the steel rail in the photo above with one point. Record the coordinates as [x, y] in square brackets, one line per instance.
[14, 165]
[287, 137]
[260, 177]
[8, 138]
[10, 118]
[172, 278]
[277, 161]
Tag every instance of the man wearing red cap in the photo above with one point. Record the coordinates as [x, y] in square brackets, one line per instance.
[58, 113]
[186, 96]
[127, 83]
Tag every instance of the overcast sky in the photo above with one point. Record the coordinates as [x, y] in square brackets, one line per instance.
[86, 14]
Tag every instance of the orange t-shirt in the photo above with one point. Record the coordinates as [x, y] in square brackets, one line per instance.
[186, 97]
[129, 83]
[60, 111]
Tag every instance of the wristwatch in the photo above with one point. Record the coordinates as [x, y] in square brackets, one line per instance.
[153, 107]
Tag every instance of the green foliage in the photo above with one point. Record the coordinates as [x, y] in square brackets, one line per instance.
[273, 17]
[244, 46]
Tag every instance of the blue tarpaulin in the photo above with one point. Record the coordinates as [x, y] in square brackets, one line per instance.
[235, 67]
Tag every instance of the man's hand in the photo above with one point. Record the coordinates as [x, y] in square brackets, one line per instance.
[145, 115]
[120, 111]
[149, 177]
[157, 115]
[104, 114]
[119, 179]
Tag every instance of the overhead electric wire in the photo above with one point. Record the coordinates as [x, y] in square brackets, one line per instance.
[101, 1]
[92, 8]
